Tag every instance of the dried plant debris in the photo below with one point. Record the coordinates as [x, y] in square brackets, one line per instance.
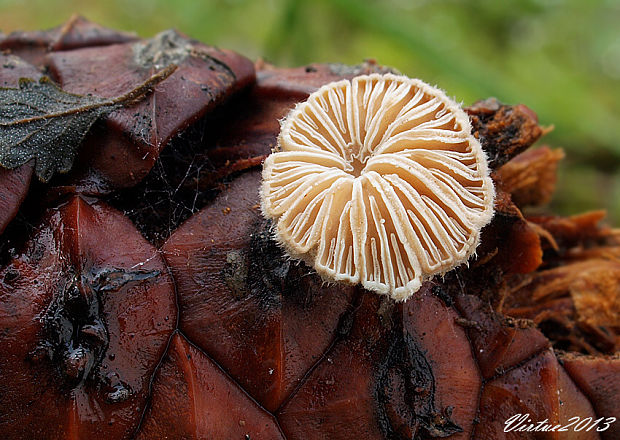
[40, 121]
[168, 47]
[585, 232]
[503, 130]
[530, 177]
[576, 298]
[378, 181]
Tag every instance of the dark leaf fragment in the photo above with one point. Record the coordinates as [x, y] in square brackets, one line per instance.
[38, 120]
[121, 152]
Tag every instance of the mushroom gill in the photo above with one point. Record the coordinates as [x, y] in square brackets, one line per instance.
[378, 181]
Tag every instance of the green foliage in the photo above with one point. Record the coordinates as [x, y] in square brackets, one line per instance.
[560, 57]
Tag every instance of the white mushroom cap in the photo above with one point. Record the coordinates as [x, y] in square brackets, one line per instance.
[378, 181]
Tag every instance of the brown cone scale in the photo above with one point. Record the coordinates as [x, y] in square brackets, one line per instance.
[540, 388]
[240, 294]
[120, 153]
[194, 399]
[87, 310]
[77, 32]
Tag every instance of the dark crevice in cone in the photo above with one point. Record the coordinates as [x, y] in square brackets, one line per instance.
[14, 238]
[406, 368]
[170, 193]
[75, 335]
[30, 214]
[182, 182]
[272, 274]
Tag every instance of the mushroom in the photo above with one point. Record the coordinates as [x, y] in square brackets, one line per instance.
[378, 181]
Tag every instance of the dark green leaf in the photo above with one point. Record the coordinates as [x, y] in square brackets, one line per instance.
[40, 121]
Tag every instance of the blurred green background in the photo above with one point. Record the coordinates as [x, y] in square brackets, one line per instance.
[559, 57]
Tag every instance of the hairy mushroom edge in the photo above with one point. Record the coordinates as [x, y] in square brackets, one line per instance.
[378, 181]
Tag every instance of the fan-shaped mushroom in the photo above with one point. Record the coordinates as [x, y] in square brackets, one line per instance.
[378, 181]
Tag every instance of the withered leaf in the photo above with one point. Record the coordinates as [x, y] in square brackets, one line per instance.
[38, 120]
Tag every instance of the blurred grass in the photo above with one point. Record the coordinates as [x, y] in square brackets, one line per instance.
[560, 57]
